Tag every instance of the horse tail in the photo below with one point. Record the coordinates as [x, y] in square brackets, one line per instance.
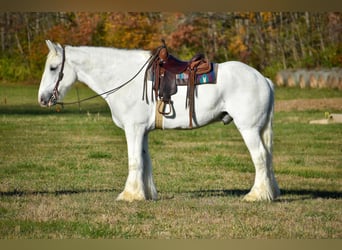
[267, 138]
[267, 132]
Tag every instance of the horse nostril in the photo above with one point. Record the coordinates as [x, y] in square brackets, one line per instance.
[43, 102]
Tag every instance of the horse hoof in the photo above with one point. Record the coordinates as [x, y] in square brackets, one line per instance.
[130, 197]
[253, 196]
[250, 197]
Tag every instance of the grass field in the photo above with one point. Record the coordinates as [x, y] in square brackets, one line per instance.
[60, 173]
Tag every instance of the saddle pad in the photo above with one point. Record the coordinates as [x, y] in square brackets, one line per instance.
[210, 77]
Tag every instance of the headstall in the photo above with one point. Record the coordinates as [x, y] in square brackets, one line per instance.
[55, 93]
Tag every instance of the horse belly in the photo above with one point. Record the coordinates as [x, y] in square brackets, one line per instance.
[207, 108]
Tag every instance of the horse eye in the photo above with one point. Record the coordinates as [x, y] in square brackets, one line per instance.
[52, 68]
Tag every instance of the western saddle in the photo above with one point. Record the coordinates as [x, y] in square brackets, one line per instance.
[163, 68]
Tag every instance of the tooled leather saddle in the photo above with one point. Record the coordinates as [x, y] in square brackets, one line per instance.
[163, 69]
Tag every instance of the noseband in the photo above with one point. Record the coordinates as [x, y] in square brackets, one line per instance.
[55, 93]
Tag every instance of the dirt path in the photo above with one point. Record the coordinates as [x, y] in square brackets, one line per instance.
[307, 104]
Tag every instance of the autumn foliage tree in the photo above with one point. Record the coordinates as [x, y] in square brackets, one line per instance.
[132, 30]
[268, 41]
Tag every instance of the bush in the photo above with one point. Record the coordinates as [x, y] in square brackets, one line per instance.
[14, 69]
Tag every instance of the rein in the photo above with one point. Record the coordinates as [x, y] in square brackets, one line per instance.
[55, 94]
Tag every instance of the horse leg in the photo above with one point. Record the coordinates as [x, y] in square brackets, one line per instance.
[150, 189]
[134, 187]
[265, 185]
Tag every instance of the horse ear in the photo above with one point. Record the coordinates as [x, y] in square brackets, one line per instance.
[58, 47]
[51, 46]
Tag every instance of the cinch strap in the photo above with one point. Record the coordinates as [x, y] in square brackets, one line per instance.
[159, 117]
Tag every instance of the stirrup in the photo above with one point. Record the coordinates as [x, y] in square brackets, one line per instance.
[162, 105]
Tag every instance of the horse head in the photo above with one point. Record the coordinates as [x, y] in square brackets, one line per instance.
[58, 76]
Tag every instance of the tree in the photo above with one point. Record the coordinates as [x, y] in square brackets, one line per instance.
[269, 41]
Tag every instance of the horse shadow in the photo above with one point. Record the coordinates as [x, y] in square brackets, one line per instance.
[287, 195]
[56, 192]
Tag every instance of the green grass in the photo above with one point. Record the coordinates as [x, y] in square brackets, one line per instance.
[60, 173]
[284, 93]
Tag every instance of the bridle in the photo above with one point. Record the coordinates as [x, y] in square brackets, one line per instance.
[54, 97]
[55, 93]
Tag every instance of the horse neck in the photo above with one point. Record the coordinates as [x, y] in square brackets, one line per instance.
[102, 69]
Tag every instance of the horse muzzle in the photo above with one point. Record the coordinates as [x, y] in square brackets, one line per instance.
[48, 102]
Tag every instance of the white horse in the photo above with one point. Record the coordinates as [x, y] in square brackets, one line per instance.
[241, 94]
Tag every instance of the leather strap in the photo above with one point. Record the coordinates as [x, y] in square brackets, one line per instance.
[159, 117]
[191, 94]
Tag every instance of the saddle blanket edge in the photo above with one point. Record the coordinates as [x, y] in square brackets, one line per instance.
[210, 77]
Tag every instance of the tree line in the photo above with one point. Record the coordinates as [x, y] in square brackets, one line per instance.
[268, 41]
